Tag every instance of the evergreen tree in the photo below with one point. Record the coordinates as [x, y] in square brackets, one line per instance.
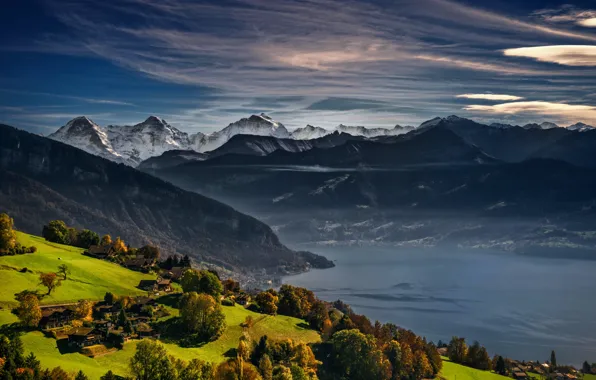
[553, 360]
[586, 367]
[81, 376]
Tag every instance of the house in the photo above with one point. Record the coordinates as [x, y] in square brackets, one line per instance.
[139, 320]
[146, 331]
[139, 264]
[141, 302]
[520, 375]
[52, 317]
[175, 274]
[84, 336]
[101, 251]
[442, 351]
[164, 285]
[148, 285]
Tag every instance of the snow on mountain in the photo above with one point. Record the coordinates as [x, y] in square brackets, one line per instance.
[501, 125]
[373, 132]
[81, 132]
[548, 125]
[150, 138]
[258, 125]
[309, 133]
[580, 127]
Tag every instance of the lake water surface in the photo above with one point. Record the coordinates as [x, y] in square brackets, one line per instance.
[521, 307]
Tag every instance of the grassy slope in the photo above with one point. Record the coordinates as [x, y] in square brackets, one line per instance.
[453, 371]
[275, 327]
[90, 278]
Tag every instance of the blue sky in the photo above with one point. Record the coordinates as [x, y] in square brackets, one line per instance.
[203, 64]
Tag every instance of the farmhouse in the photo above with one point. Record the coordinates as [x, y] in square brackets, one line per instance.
[101, 251]
[84, 336]
[159, 285]
[52, 317]
[139, 264]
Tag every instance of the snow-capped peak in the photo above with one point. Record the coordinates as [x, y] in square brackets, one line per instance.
[258, 125]
[580, 127]
[309, 133]
[548, 125]
[83, 133]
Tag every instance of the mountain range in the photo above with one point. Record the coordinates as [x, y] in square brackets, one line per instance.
[153, 137]
[448, 181]
[42, 179]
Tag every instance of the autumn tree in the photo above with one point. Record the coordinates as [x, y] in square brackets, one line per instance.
[29, 312]
[305, 359]
[50, 281]
[119, 245]
[106, 240]
[457, 350]
[201, 314]
[356, 356]
[230, 286]
[8, 237]
[57, 232]
[422, 367]
[63, 270]
[84, 309]
[267, 301]
[295, 301]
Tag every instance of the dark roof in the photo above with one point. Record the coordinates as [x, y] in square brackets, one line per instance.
[50, 311]
[80, 331]
[101, 249]
[146, 283]
[519, 374]
[138, 262]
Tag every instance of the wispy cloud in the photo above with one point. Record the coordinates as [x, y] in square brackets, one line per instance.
[571, 112]
[569, 55]
[490, 96]
[387, 61]
[64, 96]
[567, 14]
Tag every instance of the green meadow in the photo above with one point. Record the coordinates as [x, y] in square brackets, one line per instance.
[91, 279]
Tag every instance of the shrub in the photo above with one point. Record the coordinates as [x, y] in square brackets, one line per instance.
[228, 302]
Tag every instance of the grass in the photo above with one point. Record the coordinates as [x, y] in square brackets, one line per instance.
[277, 327]
[90, 278]
[453, 371]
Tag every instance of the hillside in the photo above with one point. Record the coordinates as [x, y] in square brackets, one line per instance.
[453, 371]
[41, 179]
[278, 327]
[90, 278]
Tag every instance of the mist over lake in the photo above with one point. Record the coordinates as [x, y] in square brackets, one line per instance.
[516, 306]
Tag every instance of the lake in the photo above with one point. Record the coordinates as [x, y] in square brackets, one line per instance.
[517, 306]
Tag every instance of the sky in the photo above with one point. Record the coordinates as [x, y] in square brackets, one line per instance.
[201, 65]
